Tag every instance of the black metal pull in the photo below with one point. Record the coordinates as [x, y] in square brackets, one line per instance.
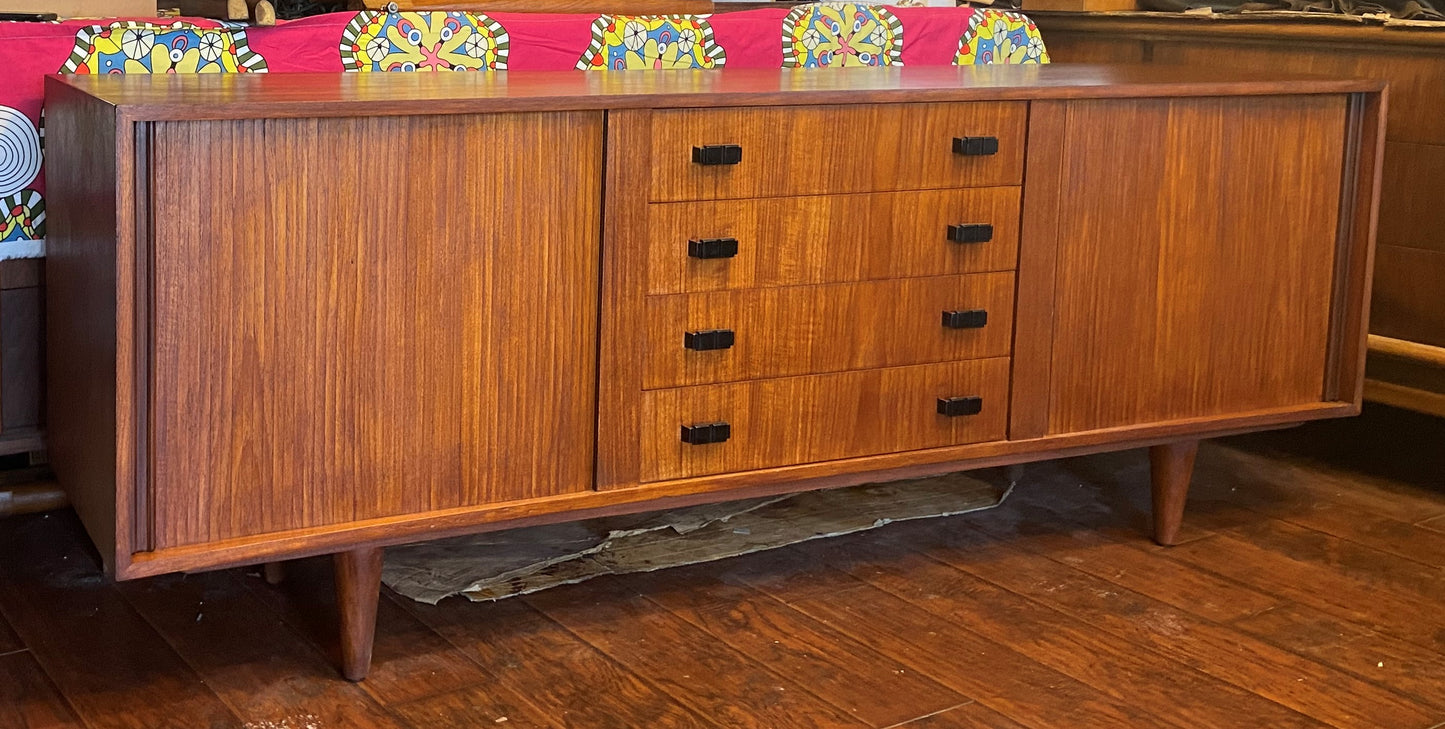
[704, 433]
[956, 406]
[975, 146]
[708, 339]
[717, 154]
[712, 247]
[970, 319]
[970, 233]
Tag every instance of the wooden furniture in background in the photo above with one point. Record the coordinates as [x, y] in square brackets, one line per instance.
[22, 366]
[547, 296]
[1407, 350]
[1085, 6]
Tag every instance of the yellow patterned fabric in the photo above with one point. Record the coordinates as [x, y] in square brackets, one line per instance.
[1000, 36]
[423, 41]
[623, 42]
[841, 34]
[126, 47]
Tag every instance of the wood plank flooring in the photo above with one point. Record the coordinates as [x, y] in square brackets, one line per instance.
[1307, 592]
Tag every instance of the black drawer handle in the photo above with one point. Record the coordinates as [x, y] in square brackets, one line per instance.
[712, 247]
[704, 433]
[970, 319]
[956, 406]
[717, 154]
[708, 339]
[970, 233]
[975, 146]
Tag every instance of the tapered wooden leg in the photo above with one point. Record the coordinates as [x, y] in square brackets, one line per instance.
[1170, 467]
[358, 587]
[274, 572]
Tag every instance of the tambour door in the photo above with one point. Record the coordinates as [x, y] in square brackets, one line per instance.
[1195, 278]
[340, 330]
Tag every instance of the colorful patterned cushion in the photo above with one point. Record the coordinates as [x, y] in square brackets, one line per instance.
[429, 41]
[841, 34]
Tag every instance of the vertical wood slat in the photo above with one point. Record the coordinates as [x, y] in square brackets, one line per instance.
[142, 164]
[1038, 254]
[624, 270]
[1355, 247]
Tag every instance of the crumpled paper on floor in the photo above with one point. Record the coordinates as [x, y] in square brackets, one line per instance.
[496, 565]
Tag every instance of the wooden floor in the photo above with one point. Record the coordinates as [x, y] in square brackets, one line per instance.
[1310, 591]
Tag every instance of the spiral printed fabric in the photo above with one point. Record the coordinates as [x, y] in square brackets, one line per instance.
[19, 151]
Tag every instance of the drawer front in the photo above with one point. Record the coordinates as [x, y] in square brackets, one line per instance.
[834, 149]
[829, 238]
[805, 330]
[795, 420]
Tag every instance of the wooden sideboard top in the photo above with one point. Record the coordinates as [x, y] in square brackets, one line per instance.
[233, 96]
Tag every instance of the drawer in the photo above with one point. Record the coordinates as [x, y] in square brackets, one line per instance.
[795, 420]
[815, 150]
[829, 238]
[803, 330]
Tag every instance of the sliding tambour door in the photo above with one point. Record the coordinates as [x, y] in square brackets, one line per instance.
[1195, 260]
[357, 318]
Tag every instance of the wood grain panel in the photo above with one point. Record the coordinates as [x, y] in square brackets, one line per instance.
[273, 407]
[1408, 302]
[830, 238]
[821, 417]
[814, 150]
[1412, 203]
[803, 330]
[89, 285]
[1416, 111]
[1188, 285]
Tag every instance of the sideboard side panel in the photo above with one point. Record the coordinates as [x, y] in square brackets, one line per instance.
[360, 318]
[1196, 264]
[88, 269]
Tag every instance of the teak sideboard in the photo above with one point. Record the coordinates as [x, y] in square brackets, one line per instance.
[306, 314]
